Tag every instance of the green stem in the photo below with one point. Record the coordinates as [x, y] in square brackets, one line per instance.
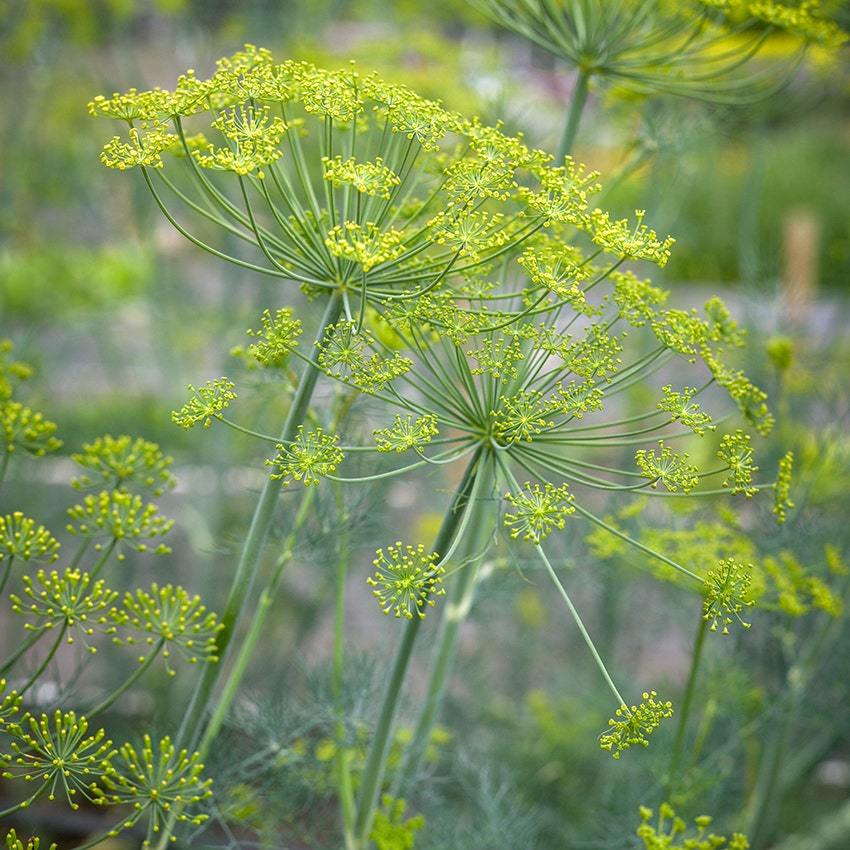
[137, 674]
[687, 704]
[47, 659]
[249, 641]
[245, 573]
[455, 613]
[101, 561]
[577, 105]
[373, 773]
[7, 571]
[16, 654]
[4, 465]
[346, 793]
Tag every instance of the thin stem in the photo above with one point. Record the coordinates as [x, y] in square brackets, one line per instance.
[16, 654]
[249, 641]
[129, 681]
[47, 659]
[581, 627]
[373, 772]
[577, 105]
[455, 612]
[246, 570]
[687, 704]
[101, 561]
[346, 793]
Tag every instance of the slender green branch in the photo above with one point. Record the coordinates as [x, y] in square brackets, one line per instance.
[373, 773]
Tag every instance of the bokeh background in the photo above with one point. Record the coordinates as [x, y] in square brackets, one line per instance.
[118, 314]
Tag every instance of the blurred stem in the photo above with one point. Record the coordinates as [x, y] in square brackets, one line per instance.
[687, 704]
[373, 773]
[346, 793]
[7, 571]
[246, 571]
[4, 465]
[577, 104]
[455, 613]
[763, 803]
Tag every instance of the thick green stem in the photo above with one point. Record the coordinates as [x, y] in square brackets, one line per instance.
[373, 773]
[685, 711]
[246, 570]
[574, 114]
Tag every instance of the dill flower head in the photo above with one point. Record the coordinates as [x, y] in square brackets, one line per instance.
[206, 404]
[346, 183]
[169, 616]
[727, 594]
[71, 600]
[21, 538]
[536, 511]
[122, 462]
[391, 830]
[22, 428]
[158, 781]
[122, 517]
[10, 703]
[276, 339]
[12, 372]
[406, 579]
[350, 355]
[782, 491]
[15, 843]
[683, 409]
[406, 433]
[670, 832]
[311, 456]
[59, 753]
[737, 453]
[633, 725]
[668, 468]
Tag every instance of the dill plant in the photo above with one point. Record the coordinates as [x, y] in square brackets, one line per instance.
[63, 755]
[472, 294]
[717, 51]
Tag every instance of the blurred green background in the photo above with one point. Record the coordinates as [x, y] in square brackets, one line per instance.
[118, 315]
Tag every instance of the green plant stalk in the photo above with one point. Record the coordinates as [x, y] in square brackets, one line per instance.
[373, 772]
[34, 637]
[763, 803]
[687, 704]
[455, 613]
[101, 561]
[246, 570]
[47, 659]
[346, 793]
[128, 682]
[4, 465]
[574, 114]
[246, 652]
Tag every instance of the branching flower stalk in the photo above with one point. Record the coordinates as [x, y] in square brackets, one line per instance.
[411, 196]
